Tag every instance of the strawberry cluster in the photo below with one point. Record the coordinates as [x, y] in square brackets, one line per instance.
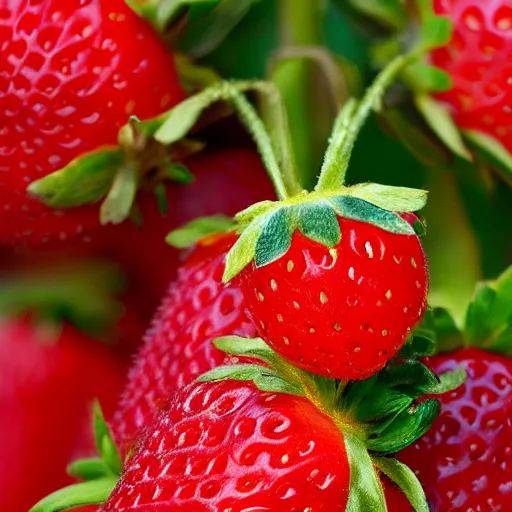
[296, 360]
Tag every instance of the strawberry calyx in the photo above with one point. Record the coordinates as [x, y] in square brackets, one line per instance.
[99, 475]
[377, 416]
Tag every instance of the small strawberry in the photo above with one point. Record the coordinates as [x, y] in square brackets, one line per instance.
[48, 379]
[177, 348]
[477, 59]
[273, 437]
[464, 461]
[71, 74]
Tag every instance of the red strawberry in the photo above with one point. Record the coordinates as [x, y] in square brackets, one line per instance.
[345, 311]
[477, 59]
[71, 74]
[177, 348]
[47, 385]
[464, 461]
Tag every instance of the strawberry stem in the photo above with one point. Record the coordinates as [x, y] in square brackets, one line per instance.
[349, 123]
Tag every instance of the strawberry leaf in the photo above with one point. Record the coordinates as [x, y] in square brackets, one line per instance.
[263, 378]
[448, 381]
[425, 78]
[365, 492]
[406, 428]
[493, 151]
[317, 221]
[406, 480]
[436, 31]
[246, 347]
[275, 238]
[478, 329]
[197, 229]
[412, 376]
[393, 199]
[357, 209]
[85, 180]
[104, 442]
[384, 402]
[85, 493]
[421, 344]
[88, 469]
[440, 121]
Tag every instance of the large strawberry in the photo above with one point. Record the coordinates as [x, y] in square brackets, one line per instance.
[177, 348]
[464, 461]
[284, 440]
[71, 74]
[49, 376]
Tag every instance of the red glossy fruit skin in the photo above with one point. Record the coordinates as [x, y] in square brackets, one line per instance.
[396, 500]
[178, 347]
[71, 74]
[465, 461]
[228, 446]
[226, 181]
[478, 61]
[342, 316]
[47, 387]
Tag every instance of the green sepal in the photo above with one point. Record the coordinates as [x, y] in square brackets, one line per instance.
[275, 238]
[405, 479]
[406, 428]
[254, 348]
[441, 123]
[413, 377]
[419, 345]
[425, 78]
[390, 13]
[119, 201]
[84, 180]
[392, 199]
[263, 378]
[358, 209]
[255, 210]
[104, 442]
[435, 31]
[199, 228]
[448, 381]
[160, 193]
[448, 336]
[318, 222]
[383, 402]
[493, 151]
[478, 328]
[179, 173]
[365, 491]
[88, 469]
[86, 493]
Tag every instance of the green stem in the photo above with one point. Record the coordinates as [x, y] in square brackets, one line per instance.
[348, 125]
[453, 252]
[300, 24]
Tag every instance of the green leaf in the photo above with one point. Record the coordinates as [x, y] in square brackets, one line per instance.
[104, 442]
[263, 378]
[179, 173]
[88, 469]
[365, 492]
[119, 201]
[405, 478]
[393, 199]
[317, 221]
[440, 121]
[199, 228]
[355, 208]
[477, 327]
[501, 313]
[425, 78]
[436, 31]
[406, 428]
[83, 181]
[85, 493]
[246, 347]
[253, 211]
[275, 238]
[413, 377]
[449, 381]
[418, 346]
[493, 151]
[242, 253]
[382, 403]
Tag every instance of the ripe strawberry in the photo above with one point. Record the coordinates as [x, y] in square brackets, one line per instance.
[477, 61]
[72, 73]
[344, 311]
[177, 348]
[463, 462]
[47, 385]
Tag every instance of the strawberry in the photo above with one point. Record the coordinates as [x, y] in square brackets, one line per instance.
[463, 462]
[72, 73]
[250, 436]
[340, 311]
[477, 61]
[47, 384]
[177, 348]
